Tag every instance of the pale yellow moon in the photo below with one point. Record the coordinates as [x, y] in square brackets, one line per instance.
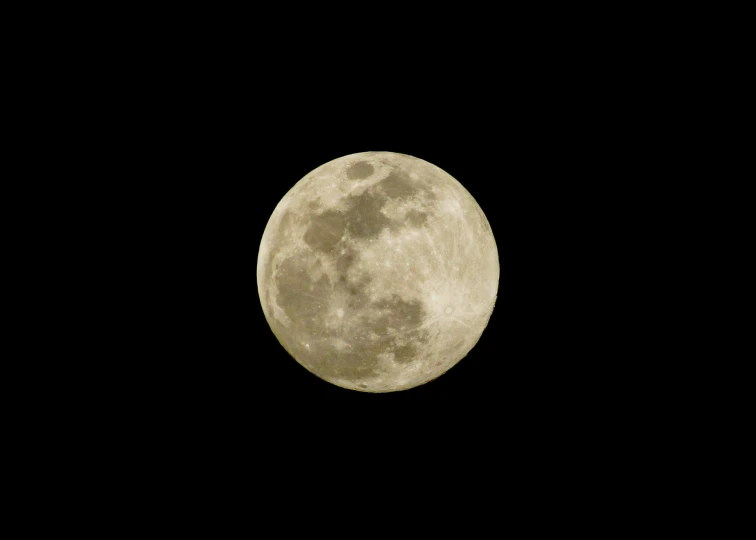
[378, 272]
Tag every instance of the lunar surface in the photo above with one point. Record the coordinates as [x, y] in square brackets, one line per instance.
[378, 272]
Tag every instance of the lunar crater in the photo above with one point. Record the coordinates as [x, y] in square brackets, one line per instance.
[325, 231]
[360, 170]
[398, 185]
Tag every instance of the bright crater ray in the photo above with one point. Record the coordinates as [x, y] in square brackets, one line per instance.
[378, 272]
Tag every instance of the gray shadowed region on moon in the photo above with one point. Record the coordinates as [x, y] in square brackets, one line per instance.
[378, 272]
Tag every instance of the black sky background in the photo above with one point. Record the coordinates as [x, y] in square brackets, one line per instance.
[201, 133]
[222, 147]
[183, 130]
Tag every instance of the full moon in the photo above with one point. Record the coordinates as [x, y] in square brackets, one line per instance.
[378, 272]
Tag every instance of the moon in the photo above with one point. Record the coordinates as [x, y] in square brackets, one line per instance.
[378, 272]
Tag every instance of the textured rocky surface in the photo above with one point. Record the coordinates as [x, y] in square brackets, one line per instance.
[378, 271]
